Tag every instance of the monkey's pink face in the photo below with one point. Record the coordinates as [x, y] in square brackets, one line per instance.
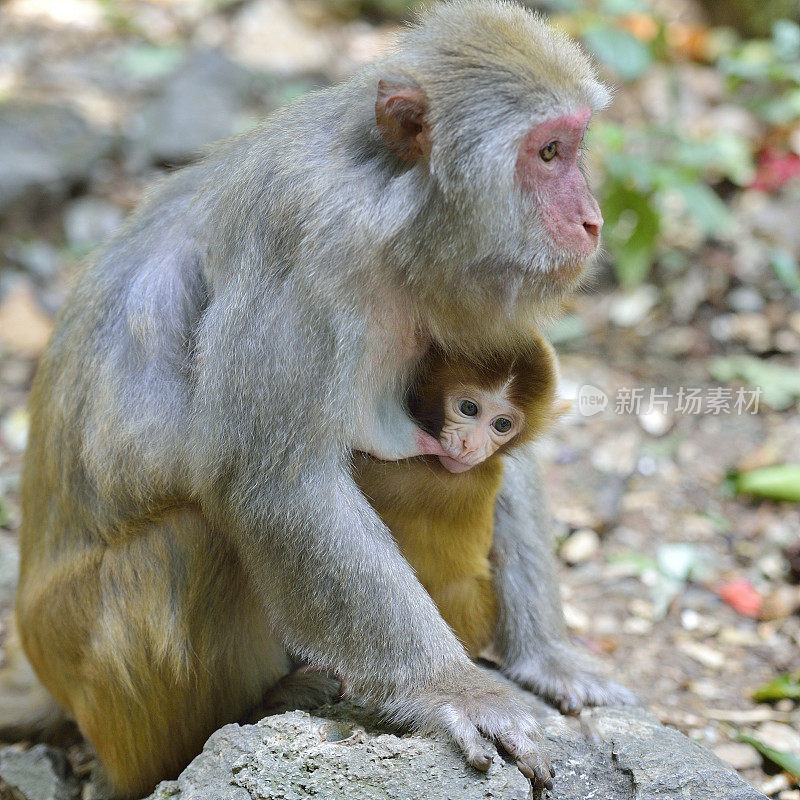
[476, 423]
[548, 170]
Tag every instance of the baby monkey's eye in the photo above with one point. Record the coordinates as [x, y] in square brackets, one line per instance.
[502, 425]
[468, 408]
[548, 152]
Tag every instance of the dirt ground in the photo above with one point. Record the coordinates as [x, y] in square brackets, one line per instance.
[649, 535]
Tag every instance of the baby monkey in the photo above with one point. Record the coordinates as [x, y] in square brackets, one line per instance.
[441, 510]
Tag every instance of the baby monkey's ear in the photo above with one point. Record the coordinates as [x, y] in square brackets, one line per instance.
[401, 111]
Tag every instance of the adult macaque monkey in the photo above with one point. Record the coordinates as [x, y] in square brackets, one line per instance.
[189, 516]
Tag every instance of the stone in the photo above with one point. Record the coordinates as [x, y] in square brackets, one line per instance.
[629, 309]
[9, 569]
[38, 258]
[738, 754]
[89, 221]
[205, 99]
[607, 754]
[45, 150]
[745, 298]
[779, 736]
[580, 546]
[41, 773]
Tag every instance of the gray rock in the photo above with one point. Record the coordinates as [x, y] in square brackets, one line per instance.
[609, 754]
[9, 569]
[202, 101]
[89, 221]
[44, 150]
[38, 258]
[745, 298]
[41, 773]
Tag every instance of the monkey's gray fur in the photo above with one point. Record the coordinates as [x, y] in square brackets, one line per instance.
[189, 513]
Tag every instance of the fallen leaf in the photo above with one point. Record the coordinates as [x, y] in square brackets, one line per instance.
[780, 482]
[740, 595]
[784, 686]
[788, 761]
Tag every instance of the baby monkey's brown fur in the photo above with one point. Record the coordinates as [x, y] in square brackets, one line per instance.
[444, 522]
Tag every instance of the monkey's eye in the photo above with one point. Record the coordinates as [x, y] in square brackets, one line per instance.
[548, 152]
[502, 425]
[468, 408]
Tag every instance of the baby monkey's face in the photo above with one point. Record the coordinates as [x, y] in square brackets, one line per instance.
[476, 423]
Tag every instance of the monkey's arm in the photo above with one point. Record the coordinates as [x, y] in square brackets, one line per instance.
[531, 637]
[270, 472]
[387, 432]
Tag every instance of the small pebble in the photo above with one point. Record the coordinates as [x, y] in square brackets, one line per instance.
[636, 626]
[779, 736]
[738, 754]
[580, 546]
[690, 619]
[775, 784]
[705, 655]
[629, 309]
[745, 298]
[655, 422]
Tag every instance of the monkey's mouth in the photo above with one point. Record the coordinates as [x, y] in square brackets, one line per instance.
[454, 465]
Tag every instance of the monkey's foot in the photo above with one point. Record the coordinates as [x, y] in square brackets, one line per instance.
[568, 679]
[468, 708]
[305, 688]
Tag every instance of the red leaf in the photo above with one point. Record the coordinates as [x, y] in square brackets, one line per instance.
[742, 596]
[774, 168]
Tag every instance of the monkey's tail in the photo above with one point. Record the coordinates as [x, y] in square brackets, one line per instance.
[27, 709]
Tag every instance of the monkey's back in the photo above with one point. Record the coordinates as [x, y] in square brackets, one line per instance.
[443, 524]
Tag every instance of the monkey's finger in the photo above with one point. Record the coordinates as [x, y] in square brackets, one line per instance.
[534, 767]
[472, 744]
[570, 704]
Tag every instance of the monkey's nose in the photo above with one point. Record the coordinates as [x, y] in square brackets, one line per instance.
[593, 227]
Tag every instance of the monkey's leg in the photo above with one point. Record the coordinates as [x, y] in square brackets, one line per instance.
[153, 643]
[531, 637]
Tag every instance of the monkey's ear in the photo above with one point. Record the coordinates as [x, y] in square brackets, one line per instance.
[401, 113]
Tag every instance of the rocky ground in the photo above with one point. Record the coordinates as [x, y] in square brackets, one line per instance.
[686, 591]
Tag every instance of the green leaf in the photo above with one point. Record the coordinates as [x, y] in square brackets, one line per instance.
[632, 229]
[779, 385]
[785, 266]
[620, 51]
[780, 482]
[148, 61]
[788, 761]
[786, 38]
[617, 7]
[785, 686]
[705, 207]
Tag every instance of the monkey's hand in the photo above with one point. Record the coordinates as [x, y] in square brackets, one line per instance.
[418, 444]
[473, 705]
[568, 679]
[386, 432]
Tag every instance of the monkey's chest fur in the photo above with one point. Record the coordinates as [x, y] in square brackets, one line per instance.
[444, 526]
